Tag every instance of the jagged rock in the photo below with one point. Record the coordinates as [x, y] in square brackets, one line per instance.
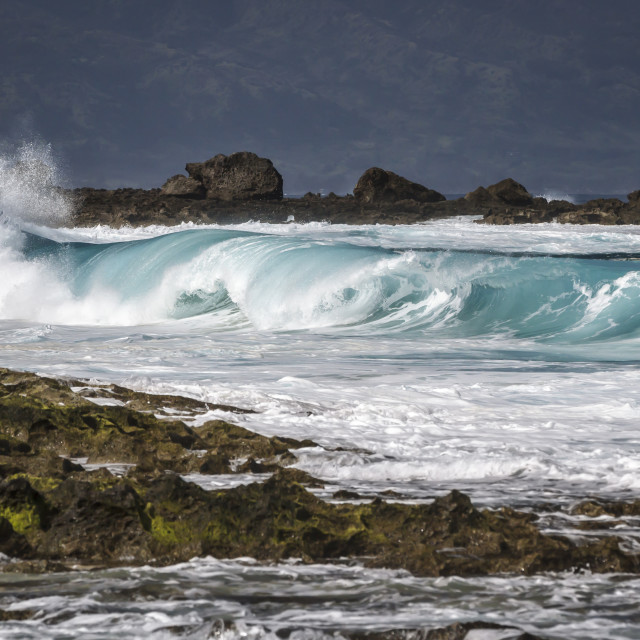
[98, 524]
[511, 193]
[52, 511]
[42, 419]
[240, 176]
[112, 521]
[182, 186]
[379, 186]
[634, 198]
[344, 494]
[480, 198]
[215, 464]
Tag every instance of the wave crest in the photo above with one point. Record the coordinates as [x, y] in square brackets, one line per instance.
[230, 279]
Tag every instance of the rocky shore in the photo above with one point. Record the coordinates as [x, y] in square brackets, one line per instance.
[61, 507]
[242, 186]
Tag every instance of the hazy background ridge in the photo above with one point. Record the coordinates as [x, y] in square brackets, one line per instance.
[451, 93]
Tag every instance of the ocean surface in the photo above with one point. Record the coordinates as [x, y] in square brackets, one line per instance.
[500, 361]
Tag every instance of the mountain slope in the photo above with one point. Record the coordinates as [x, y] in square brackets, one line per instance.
[452, 94]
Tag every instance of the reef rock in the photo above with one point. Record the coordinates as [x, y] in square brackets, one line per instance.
[379, 186]
[511, 192]
[240, 176]
[56, 512]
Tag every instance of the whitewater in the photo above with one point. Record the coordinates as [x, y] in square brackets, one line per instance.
[501, 361]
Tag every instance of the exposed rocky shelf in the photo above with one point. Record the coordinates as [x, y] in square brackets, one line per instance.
[55, 513]
[242, 187]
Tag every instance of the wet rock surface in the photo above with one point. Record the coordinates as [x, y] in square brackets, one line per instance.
[56, 513]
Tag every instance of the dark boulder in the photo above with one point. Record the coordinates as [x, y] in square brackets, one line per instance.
[511, 192]
[184, 187]
[634, 199]
[379, 186]
[240, 176]
[479, 198]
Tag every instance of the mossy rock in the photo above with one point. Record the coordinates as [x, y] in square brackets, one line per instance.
[56, 514]
[40, 416]
[162, 518]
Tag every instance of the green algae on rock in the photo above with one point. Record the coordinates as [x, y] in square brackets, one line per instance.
[41, 415]
[55, 513]
[101, 521]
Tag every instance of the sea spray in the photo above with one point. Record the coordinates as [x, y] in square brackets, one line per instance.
[28, 186]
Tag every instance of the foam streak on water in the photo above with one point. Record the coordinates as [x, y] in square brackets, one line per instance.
[200, 598]
[500, 361]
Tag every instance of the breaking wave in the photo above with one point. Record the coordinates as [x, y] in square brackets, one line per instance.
[239, 279]
[254, 279]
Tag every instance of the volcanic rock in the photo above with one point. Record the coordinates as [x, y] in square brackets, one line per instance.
[42, 419]
[56, 511]
[180, 185]
[511, 192]
[479, 198]
[240, 176]
[379, 186]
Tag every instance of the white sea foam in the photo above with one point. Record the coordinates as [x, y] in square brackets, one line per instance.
[307, 602]
[451, 233]
[550, 195]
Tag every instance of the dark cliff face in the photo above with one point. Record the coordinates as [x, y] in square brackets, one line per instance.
[447, 93]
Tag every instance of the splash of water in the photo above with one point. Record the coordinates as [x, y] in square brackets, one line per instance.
[551, 195]
[28, 191]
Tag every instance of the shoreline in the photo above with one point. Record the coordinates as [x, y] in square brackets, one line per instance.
[139, 207]
[241, 187]
[55, 514]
